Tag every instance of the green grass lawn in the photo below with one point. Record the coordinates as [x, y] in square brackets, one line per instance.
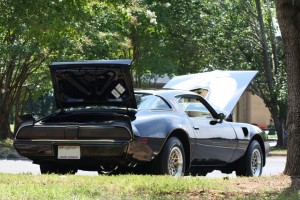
[26, 186]
[6, 145]
[272, 137]
[275, 150]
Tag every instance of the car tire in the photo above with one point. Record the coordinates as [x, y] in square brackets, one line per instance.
[198, 173]
[109, 170]
[53, 169]
[172, 158]
[252, 162]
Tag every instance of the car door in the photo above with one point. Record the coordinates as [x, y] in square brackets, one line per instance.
[215, 144]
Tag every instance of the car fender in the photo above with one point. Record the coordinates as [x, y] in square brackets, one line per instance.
[245, 134]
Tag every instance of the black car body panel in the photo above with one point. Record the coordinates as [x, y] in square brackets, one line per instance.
[115, 134]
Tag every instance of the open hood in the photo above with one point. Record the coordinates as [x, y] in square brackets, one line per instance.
[224, 87]
[90, 83]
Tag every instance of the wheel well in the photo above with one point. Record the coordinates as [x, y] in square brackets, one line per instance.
[184, 139]
[261, 142]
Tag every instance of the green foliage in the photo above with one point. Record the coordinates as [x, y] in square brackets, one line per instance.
[268, 58]
[162, 37]
[30, 32]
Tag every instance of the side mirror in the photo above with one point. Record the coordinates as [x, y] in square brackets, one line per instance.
[213, 122]
[219, 119]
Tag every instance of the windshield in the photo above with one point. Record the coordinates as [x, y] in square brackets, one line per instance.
[151, 102]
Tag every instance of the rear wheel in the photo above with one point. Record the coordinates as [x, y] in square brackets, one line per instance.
[198, 173]
[172, 159]
[252, 163]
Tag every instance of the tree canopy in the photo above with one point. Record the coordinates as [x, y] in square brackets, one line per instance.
[162, 37]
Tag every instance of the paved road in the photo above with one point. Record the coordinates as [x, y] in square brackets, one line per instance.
[275, 165]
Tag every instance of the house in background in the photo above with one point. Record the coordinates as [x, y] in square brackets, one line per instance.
[251, 109]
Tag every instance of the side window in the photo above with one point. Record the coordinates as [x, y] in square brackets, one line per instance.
[194, 108]
[151, 102]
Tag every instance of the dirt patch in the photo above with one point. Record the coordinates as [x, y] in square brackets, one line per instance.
[250, 185]
[232, 188]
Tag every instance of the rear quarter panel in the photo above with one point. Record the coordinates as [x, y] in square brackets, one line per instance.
[156, 126]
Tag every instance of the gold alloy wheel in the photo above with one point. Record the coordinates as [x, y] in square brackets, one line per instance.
[175, 164]
[256, 162]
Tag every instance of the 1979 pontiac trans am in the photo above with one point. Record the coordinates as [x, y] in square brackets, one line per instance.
[103, 125]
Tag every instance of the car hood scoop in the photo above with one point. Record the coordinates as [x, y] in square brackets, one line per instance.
[224, 87]
[93, 83]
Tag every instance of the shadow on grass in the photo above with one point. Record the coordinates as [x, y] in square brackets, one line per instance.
[288, 193]
[291, 192]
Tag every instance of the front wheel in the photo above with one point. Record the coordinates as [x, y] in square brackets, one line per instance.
[252, 164]
[172, 160]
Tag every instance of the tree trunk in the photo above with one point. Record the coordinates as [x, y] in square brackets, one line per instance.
[135, 51]
[5, 131]
[265, 49]
[281, 132]
[288, 13]
[279, 123]
[6, 102]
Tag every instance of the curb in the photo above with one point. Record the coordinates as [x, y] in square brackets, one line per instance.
[276, 155]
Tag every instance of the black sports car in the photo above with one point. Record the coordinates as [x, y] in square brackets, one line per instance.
[103, 125]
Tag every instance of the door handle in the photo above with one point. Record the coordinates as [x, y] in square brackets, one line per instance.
[196, 127]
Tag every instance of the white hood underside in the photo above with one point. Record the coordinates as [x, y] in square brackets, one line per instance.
[224, 87]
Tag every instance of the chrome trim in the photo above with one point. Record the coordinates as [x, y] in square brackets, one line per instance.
[47, 140]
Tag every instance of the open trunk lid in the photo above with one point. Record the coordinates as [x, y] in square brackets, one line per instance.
[93, 83]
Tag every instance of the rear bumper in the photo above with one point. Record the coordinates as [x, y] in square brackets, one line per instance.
[100, 152]
[92, 152]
